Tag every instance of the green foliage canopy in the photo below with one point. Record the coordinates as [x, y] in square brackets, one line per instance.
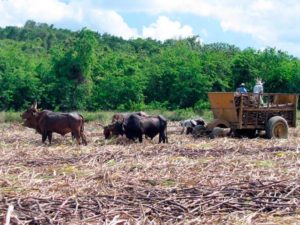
[67, 70]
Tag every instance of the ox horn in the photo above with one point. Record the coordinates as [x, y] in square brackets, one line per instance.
[101, 125]
[34, 105]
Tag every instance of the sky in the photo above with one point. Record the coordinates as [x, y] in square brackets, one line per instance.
[244, 23]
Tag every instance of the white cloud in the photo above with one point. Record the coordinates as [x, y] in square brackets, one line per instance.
[112, 23]
[16, 12]
[164, 28]
[269, 22]
[240, 16]
[76, 14]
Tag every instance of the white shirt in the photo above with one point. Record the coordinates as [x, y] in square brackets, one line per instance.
[258, 88]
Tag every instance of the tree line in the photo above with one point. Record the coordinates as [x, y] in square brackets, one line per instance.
[66, 70]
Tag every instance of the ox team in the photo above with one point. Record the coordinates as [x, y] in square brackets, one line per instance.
[133, 125]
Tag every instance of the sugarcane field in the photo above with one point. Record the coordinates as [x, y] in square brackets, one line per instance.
[189, 180]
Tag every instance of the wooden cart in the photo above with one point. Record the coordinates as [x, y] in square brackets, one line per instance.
[247, 113]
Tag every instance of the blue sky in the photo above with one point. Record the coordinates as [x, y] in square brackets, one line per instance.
[244, 23]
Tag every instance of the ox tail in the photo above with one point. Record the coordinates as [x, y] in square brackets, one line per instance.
[82, 125]
[83, 137]
[166, 134]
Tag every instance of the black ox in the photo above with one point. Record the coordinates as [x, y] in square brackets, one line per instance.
[118, 119]
[136, 126]
[46, 122]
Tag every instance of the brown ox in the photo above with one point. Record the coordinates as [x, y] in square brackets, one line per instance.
[46, 122]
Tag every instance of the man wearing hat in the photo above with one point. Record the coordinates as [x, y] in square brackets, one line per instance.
[258, 90]
[241, 89]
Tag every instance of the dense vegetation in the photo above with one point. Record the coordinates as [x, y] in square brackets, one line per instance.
[67, 70]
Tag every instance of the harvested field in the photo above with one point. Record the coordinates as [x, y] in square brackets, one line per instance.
[202, 181]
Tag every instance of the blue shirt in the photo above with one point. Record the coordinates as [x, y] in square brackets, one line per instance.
[242, 90]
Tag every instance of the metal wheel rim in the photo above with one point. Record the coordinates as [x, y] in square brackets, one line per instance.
[279, 130]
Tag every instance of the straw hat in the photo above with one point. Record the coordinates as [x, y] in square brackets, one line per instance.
[258, 81]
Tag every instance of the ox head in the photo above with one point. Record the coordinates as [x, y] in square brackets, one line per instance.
[108, 130]
[30, 115]
[113, 129]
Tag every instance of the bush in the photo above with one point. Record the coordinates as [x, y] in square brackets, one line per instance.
[10, 116]
[181, 114]
[201, 106]
[2, 117]
[162, 106]
[102, 116]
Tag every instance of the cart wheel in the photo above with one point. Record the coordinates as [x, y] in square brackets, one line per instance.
[277, 127]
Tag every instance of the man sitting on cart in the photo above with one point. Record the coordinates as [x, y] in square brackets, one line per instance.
[241, 89]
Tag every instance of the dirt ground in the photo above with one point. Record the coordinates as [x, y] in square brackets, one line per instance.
[187, 181]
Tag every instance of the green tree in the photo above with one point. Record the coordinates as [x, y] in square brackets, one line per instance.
[85, 70]
[177, 77]
[119, 82]
[19, 84]
[72, 69]
[215, 62]
[245, 68]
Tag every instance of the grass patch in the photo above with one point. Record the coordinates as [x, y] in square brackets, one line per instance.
[13, 190]
[111, 162]
[168, 183]
[102, 116]
[266, 163]
[182, 114]
[105, 116]
[10, 116]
